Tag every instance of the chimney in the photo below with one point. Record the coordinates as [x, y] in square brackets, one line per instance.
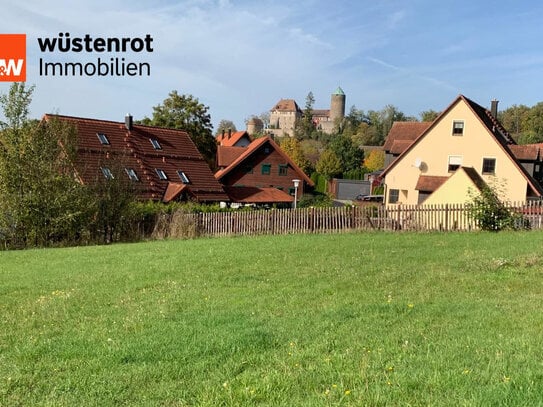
[128, 120]
[494, 108]
[229, 132]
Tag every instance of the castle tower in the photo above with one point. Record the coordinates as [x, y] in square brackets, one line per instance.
[337, 105]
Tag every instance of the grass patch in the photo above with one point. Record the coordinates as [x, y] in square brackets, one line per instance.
[354, 319]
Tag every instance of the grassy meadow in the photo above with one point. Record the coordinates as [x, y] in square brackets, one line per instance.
[366, 319]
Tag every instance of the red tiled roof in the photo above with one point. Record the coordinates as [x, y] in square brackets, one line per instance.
[527, 152]
[232, 139]
[253, 147]
[404, 132]
[133, 149]
[257, 195]
[227, 155]
[288, 105]
[430, 183]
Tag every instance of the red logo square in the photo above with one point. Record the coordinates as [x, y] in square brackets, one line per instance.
[12, 57]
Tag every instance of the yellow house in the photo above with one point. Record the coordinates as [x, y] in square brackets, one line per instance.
[464, 148]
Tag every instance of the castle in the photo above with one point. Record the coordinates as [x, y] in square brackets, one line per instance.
[286, 112]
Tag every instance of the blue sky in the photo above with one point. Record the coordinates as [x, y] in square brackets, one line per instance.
[240, 57]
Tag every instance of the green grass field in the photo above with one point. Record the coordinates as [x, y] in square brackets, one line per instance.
[376, 319]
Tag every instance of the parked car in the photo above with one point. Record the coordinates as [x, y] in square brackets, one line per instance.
[370, 198]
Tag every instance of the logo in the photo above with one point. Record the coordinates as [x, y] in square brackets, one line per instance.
[12, 57]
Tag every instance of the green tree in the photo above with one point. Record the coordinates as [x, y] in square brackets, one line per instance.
[305, 127]
[350, 156]
[41, 202]
[490, 213]
[185, 112]
[429, 115]
[329, 164]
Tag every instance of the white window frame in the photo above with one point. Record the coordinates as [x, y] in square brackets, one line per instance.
[453, 161]
[161, 174]
[132, 174]
[454, 127]
[106, 172]
[183, 177]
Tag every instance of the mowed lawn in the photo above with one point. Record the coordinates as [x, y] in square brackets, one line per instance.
[376, 319]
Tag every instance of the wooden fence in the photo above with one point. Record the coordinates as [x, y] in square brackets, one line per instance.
[336, 220]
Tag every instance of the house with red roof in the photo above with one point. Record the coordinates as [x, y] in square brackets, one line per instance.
[162, 164]
[260, 173]
[458, 153]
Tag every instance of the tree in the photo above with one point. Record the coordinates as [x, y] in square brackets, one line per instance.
[225, 125]
[429, 115]
[349, 155]
[293, 149]
[305, 127]
[41, 202]
[329, 164]
[375, 160]
[490, 213]
[185, 112]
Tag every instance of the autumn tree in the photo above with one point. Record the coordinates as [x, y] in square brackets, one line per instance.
[375, 160]
[293, 149]
[185, 112]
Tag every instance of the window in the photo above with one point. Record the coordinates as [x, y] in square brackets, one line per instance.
[455, 161]
[161, 174]
[283, 169]
[458, 128]
[489, 165]
[155, 143]
[103, 139]
[266, 169]
[132, 174]
[183, 177]
[107, 173]
[393, 195]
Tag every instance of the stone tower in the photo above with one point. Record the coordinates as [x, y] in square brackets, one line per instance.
[337, 105]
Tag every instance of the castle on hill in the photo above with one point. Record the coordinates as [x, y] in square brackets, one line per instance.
[286, 112]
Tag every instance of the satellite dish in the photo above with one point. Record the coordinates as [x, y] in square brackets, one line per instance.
[418, 163]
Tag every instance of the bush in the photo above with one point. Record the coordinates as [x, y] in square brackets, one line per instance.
[491, 213]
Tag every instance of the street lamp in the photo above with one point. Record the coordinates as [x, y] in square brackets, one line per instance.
[296, 185]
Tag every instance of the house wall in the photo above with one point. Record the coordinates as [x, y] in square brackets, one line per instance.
[240, 177]
[435, 148]
[457, 190]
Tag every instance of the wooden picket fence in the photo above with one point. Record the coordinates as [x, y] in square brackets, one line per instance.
[354, 218]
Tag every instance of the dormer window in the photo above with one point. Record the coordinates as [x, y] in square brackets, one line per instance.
[183, 177]
[161, 174]
[107, 173]
[103, 139]
[458, 128]
[155, 143]
[132, 174]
